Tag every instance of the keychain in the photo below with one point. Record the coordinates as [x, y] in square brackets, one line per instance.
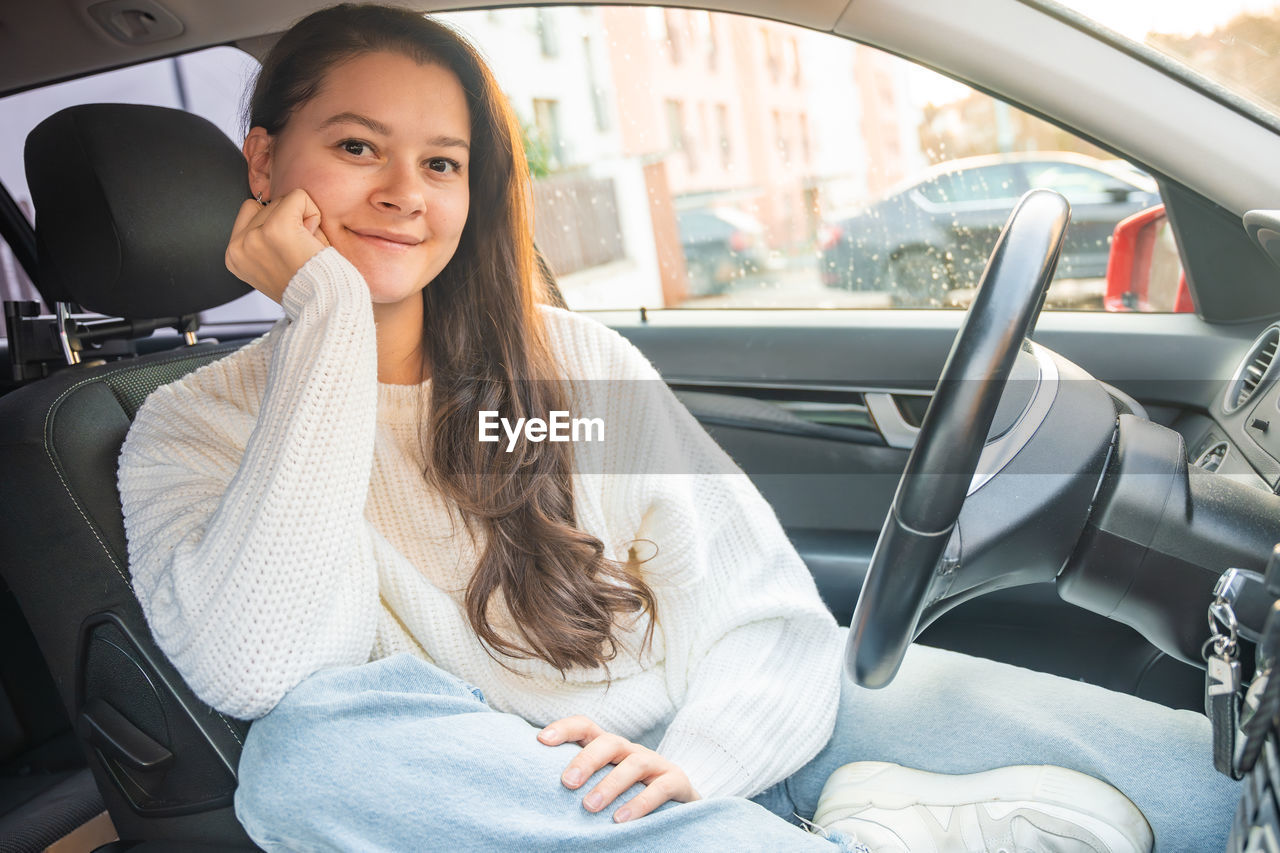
[1222, 681]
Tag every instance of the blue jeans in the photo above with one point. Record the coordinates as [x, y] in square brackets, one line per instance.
[399, 755]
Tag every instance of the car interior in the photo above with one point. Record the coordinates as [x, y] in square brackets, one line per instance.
[1127, 462]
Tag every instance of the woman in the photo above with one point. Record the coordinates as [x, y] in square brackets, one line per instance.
[323, 537]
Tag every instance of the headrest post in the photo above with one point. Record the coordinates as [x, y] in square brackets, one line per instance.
[187, 325]
[65, 326]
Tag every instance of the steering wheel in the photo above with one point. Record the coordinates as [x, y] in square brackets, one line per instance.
[907, 560]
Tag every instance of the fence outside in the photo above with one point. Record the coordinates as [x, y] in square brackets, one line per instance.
[576, 222]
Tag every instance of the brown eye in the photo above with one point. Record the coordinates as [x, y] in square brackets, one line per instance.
[354, 147]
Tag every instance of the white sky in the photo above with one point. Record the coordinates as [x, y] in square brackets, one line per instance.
[1130, 18]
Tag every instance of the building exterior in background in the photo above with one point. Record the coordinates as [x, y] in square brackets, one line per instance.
[591, 218]
[767, 118]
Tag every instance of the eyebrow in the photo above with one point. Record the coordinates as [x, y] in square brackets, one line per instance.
[380, 128]
[356, 118]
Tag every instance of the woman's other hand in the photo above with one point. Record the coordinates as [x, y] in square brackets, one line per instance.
[270, 242]
[635, 763]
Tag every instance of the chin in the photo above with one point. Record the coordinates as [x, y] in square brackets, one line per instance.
[391, 286]
[391, 295]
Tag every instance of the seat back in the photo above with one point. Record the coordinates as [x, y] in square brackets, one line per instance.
[165, 761]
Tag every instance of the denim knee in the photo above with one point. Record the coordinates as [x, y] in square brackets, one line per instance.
[300, 760]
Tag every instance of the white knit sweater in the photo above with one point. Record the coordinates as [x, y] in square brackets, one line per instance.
[279, 523]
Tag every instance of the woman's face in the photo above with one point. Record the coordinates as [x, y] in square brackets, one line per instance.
[383, 150]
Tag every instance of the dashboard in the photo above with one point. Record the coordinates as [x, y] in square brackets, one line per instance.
[1242, 438]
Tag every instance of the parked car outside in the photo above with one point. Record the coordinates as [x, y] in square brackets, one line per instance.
[720, 244]
[932, 235]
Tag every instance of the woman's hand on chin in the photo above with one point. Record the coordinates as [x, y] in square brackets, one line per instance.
[270, 242]
[635, 763]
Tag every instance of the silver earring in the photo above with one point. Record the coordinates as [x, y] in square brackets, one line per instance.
[259, 198]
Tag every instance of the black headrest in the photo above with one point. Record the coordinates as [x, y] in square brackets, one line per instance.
[134, 206]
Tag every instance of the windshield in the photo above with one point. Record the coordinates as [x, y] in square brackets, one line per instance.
[1234, 43]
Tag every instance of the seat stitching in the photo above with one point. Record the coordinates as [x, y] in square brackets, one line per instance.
[57, 469]
[227, 723]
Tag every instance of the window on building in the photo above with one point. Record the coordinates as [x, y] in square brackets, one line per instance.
[548, 33]
[675, 45]
[712, 41]
[546, 118]
[675, 124]
[704, 126]
[726, 141]
[599, 97]
[772, 56]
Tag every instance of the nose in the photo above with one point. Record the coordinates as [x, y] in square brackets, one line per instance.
[400, 189]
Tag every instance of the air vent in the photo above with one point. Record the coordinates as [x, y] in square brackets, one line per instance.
[1252, 370]
[1211, 460]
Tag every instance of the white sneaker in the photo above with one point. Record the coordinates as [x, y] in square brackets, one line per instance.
[1027, 809]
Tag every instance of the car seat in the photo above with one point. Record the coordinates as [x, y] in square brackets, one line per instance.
[134, 205]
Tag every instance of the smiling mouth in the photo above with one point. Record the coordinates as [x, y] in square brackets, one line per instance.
[401, 244]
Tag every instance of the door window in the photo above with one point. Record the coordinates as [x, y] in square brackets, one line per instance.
[832, 174]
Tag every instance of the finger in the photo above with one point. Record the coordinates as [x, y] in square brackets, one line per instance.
[313, 225]
[309, 207]
[637, 767]
[575, 729]
[606, 749]
[244, 217]
[311, 222]
[668, 786]
[309, 213]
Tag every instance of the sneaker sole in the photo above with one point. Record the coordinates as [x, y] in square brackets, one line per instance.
[877, 784]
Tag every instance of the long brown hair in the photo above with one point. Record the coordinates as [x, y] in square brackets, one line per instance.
[485, 347]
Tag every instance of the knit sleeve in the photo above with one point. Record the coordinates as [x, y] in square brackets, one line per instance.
[247, 543]
[753, 655]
